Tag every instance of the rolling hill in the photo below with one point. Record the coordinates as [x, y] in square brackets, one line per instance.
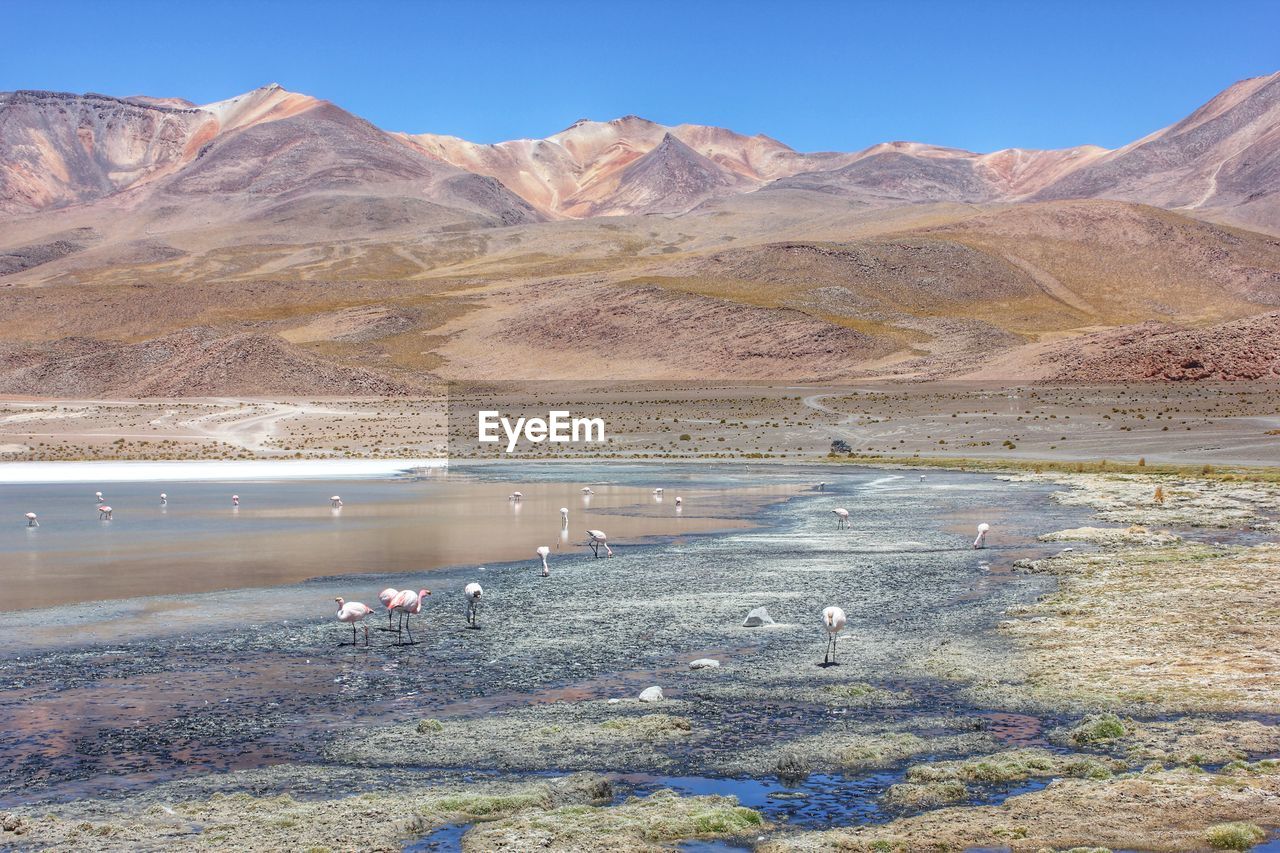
[274, 241]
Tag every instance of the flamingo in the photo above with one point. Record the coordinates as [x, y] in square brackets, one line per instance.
[408, 603]
[336, 502]
[543, 551]
[104, 512]
[31, 520]
[842, 518]
[833, 622]
[98, 495]
[922, 478]
[595, 540]
[235, 500]
[586, 490]
[351, 614]
[516, 496]
[679, 500]
[385, 597]
[981, 541]
[822, 487]
[658, 491]
[473, 591]
[164, 499]
[564, 516]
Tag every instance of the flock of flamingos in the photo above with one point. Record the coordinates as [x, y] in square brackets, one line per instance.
[403, 603]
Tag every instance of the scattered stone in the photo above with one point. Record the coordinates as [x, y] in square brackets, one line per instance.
[704, 663]
[791, 769]
[652, 694]
[758, 618]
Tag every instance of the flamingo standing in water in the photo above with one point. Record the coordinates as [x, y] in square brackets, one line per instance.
[164, 499]
[235, 500]
[473, 591]
[596, 538]
[31, 520]
[516, 497]
[981, 541]
[543, 551]
[385, 597]
[564, 516]
[842, 518]
[104, 512]
[586, 490]
[351, 614]
[408, 603]
[336, 502]
[833, 622]
[98, 495]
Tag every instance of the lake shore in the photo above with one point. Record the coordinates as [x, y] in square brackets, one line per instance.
[1043, 696]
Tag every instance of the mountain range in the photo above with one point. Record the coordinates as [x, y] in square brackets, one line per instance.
[286, 234]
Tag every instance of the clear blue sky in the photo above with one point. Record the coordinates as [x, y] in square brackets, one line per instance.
[818, 76]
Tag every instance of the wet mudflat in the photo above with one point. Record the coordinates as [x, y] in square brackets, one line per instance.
[146, 715]
[245, 692]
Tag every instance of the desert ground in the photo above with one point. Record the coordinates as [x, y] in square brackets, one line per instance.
[1175, 423]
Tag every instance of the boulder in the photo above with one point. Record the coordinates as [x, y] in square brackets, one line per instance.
[704, 663]
[757, 618]
[652, 694]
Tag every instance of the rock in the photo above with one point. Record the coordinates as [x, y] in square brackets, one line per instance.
[614, 701]
[652, 694]
[578, 788]
[757, 618]
[704, 663]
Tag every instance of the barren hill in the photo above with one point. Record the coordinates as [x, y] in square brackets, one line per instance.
[275, 243]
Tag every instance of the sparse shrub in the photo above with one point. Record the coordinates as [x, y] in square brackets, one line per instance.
[1234, 836]
[1098, 728]
[430, 727]
[908, 795]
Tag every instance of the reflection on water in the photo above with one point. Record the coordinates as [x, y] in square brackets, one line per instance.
[289, 531]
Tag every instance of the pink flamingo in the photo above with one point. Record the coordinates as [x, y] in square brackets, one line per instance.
[31, 520]
[407, 603]
[104, 512]
[543, 551]
[385, 597]
[351, 614]
[596, 538]
[981, 541]
[335, 502]
[842, 518]
[235, 500]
